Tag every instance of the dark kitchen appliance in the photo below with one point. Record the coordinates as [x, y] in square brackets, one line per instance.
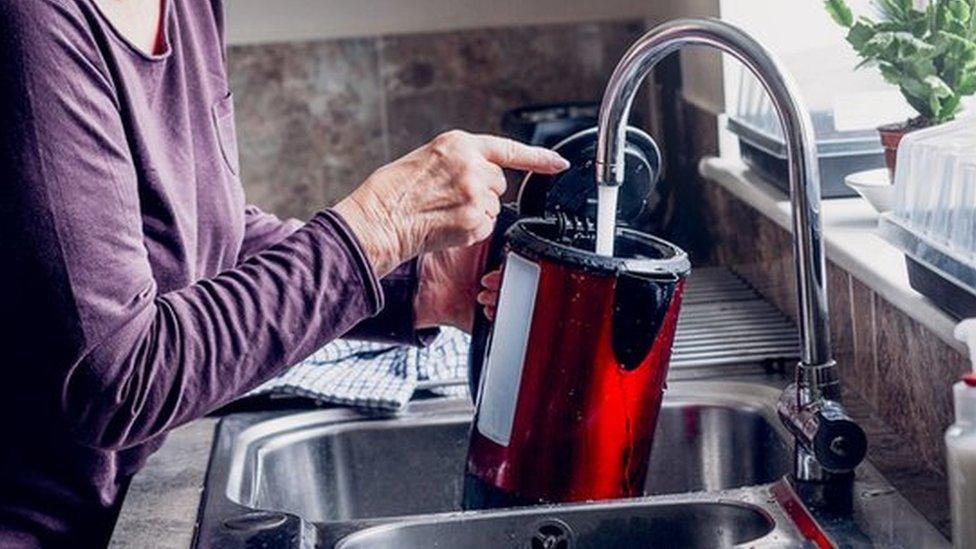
[935, 270]
[576, 362]
[838, 154]
[952, 297]
[546, 125]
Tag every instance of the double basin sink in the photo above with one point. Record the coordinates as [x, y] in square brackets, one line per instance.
[337, 478]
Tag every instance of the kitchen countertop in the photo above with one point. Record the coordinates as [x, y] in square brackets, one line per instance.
[160, 509]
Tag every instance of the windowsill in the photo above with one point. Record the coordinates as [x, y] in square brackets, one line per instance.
[850, 239]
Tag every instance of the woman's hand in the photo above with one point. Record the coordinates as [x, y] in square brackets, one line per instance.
[452, 288]
[488, 296]
[448, 288]
[442, 195]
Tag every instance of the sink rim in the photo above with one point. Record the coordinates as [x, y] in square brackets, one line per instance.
[778, 525]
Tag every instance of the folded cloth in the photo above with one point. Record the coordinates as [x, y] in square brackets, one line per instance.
[377, 376]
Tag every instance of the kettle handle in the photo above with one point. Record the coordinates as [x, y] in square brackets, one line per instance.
[641, 306]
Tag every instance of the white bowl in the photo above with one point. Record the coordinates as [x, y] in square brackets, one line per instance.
[875, 186]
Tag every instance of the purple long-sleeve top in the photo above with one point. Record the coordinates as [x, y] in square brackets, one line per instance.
[137, 291]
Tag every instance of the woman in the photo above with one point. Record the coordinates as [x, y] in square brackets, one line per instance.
[138, 292]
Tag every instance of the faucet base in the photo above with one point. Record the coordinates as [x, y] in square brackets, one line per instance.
[832, 496]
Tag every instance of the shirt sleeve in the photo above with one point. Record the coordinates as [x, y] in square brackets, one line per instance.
[126, 361]
[394, 324]
[263, 230]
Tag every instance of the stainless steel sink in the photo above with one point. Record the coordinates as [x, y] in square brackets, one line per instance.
[689, 524]
[414, 464]
[328, 477]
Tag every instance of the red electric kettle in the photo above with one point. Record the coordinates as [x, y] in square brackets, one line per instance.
[574, 365]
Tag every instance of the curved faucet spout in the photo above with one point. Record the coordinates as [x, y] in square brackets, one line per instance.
[638, 62]
[816, 382]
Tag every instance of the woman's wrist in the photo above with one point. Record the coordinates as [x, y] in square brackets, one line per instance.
[375, 236]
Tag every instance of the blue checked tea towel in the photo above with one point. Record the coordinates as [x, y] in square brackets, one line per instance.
[377, 376]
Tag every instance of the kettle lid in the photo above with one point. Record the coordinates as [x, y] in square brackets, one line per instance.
[573, 192]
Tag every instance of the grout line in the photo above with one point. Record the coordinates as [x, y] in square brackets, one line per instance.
[874, 346]
[852, 306]
[380, 44]
[856, 344]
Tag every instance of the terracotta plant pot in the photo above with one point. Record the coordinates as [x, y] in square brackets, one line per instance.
[891, 135]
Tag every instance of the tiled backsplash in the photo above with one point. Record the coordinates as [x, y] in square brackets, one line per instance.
[897, 367]
[316, 118]
[901, 369]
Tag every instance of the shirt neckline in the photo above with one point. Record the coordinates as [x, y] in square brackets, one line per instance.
[164, 23]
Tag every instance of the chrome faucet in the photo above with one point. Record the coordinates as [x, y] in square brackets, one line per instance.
[828, 444]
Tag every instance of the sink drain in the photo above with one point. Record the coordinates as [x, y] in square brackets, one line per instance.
[259, 520]
[551, 534]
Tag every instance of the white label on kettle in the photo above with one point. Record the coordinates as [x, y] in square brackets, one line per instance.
[506, 353]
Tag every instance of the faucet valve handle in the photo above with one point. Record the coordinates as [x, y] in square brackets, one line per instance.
[839, 444]
[825, 430]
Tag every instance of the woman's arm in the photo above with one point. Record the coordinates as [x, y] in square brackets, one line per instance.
[263, 230]
[396, 323]
[127, 360]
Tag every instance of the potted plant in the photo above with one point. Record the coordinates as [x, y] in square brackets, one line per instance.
[927, 49]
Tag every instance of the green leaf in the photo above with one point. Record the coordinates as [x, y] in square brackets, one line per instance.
[966, 85]
[920, 106]
[840, 12]
[939, 93]
[898, 45]
[918, 24]
[960, 50]
[950, 107]
[892, 9]
[938, 87]
[860, 34]
[959, 10]
[915, 91]
[972, 20]
[952, 16]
